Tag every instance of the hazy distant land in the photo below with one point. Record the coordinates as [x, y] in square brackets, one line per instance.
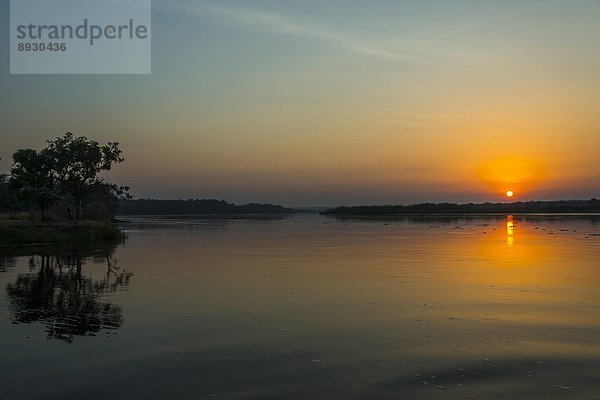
[562, 206]
[211, 206]
[195, 206]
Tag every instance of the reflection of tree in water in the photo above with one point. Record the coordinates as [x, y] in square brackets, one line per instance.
[70, 304]
[6, 263]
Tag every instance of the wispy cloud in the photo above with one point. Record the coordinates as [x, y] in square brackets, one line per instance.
[265, 21]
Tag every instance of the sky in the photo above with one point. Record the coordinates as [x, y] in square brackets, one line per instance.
[324, 103]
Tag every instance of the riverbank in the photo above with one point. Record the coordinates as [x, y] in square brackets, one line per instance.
[14, 232]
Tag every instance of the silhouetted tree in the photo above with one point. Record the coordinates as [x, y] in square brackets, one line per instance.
[76, 164]
[68, 169]
[33, 180]
[8, 199]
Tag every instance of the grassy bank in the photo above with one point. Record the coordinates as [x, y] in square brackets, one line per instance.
[15, 232]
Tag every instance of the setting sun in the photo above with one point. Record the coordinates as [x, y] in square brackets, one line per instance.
[509, 193]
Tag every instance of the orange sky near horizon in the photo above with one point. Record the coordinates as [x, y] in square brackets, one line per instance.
[317, 104]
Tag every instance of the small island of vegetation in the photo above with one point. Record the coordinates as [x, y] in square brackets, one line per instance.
[58, 194]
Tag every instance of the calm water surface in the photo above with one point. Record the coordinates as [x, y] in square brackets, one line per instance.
[309, 307]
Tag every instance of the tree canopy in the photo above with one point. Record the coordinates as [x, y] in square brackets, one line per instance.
[68, 170]
[32, 178]
[8, 199]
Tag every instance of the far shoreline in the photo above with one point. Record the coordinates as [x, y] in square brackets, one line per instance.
[531, 207]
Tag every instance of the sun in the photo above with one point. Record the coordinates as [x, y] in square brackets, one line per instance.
[509, 193]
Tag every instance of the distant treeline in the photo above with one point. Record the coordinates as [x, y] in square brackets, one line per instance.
[563, 206]
[188, 207]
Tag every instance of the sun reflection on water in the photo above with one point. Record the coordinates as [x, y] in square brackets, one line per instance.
[510, 230]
